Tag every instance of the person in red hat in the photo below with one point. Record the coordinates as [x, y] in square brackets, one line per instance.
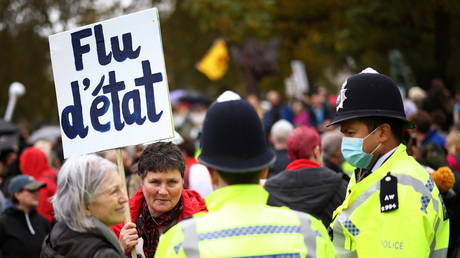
[34, 162]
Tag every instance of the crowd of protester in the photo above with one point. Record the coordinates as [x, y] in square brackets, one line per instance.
[309, 173]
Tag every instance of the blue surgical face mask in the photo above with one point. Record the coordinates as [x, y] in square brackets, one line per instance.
[352, 151]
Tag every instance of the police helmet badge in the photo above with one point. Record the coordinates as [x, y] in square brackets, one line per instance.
[342, 97]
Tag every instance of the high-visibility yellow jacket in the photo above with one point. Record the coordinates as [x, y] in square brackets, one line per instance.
[419, 227]
[240, 224]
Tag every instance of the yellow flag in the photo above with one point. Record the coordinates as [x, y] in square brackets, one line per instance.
[215, 63]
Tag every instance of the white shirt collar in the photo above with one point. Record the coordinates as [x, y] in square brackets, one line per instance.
[382, 159]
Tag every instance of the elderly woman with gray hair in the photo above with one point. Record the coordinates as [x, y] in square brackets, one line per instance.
[89, 199]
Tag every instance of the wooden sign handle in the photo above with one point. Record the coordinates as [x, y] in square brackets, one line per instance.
[121, 172]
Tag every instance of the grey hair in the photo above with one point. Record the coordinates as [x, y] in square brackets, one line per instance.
[78, 184]
[280, 131]
[331, 141]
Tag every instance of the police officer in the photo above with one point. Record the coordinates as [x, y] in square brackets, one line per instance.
[239, 223]
[392, 207]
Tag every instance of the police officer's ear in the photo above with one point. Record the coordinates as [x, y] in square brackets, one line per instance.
[214, 176]
[384, 133]
[264, 173]
[216, 180]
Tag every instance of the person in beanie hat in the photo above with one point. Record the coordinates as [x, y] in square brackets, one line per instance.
[239, 222]
[392, 207]
[22, 229]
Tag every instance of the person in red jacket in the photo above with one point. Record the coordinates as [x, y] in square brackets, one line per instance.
[33, 162]
[161, 202]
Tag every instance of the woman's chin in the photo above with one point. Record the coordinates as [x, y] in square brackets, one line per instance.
[114, 221]
[159, 210]
[161, 203]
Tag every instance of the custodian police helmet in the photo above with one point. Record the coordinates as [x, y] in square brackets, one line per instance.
[369, 94]
[233, 139]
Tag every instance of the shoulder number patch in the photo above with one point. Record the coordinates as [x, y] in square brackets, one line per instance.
[389, 193]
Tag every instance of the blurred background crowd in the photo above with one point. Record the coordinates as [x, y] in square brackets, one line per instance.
[435, 142]
[288, 58]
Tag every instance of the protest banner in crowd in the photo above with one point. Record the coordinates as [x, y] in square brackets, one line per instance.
[111, 84]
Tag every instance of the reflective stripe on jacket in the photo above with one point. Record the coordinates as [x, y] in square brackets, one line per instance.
[419, 227]
[240, 224]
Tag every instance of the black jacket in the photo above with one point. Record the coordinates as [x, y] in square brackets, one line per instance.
[316, 191]
[20, 237]
[337, 169]
[100, 242]
[282, 160]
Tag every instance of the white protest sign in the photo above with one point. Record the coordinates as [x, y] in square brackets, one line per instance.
[300, 76]
[296, 85]
[111, 84]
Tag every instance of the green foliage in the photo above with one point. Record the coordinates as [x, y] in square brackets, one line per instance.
[24, 29]
[184, 45]
[235, 19]
[325, 34]
[330, 36]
